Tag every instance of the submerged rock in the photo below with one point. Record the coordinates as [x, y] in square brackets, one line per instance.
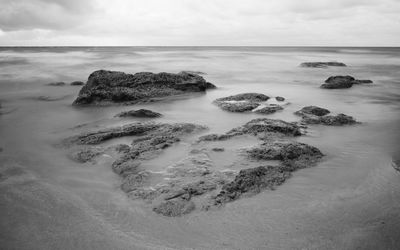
[270, 109]
[143, 113]
[317, 115]
[86, 154]
[118, 87]
[175, 207]
[322, 64]
[77, 83]
[57, 84]
[341, 82]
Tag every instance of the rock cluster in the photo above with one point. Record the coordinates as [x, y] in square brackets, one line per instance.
[317, 115]
[117, 87]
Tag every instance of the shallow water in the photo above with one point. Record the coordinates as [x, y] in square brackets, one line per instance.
[351, 200]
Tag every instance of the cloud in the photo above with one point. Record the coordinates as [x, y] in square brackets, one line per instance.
[200, 22]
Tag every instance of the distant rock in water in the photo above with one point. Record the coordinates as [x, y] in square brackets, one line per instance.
[322, 64]
[342, 82]
[117, 87]
[142, 113]
[280, 98]
[317, 115]
[57, 84]
[247, 102]
[77, 83]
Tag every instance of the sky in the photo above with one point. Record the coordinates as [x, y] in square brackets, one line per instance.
[199, 23]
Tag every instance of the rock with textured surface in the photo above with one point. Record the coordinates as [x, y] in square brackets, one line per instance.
[117, 87]
[338, 82]
[312, 110]
[241, 102]
[141, 113]
[269, 109]
[317, 115]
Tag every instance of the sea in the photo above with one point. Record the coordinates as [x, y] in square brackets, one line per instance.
[350, 200]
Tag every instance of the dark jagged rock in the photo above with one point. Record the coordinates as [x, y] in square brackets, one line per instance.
[341, 82]
[280, 99]
[117, 87]
[322, 64]
[251, 181]
[57, 84]
[270, 109]
[241, 102]
[317, 115]
[142, 113]
[77, 83]
[312, 110]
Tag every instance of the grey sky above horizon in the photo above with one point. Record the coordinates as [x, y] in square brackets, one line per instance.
[200, 22]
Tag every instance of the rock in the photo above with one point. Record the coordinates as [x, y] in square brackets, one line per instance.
[194, 72]
[142, 113]
[251, 181]
[280, 98]
[218, 149]
[175, 207]
[362, 81]
[317, 115]
[265, 125]
[312, 110]
[322, 64]
[58, 84]
[338, 82]
[77, 83]
[272, 108]
[294, 155]
[395, 164]
[133, 181]
[86, 154]
[117, 87]
[1, 149]
[214, 137]
[241, 102]
[122, 148]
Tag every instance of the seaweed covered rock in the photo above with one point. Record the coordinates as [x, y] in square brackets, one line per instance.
[117, 87]
[341, 82]
[317, 115]
[322, 64]
[141, 113]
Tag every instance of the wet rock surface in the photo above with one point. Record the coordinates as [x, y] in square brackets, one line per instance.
[117, 87]
[322, 64]
[270, 109]
[141, 113]
[341, 82]
[317, 115]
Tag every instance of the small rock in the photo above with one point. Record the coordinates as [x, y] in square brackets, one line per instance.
[280, 98]
[218, 149]
[175, 207]
[58, 84]
[86, 154]
[322, 64]
[241, 102]
[312, 110]
[142, 113]
[134, 181]
[77, 83]
[338, 82]
[272, 108]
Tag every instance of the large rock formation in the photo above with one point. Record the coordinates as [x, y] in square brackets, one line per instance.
[117, 87]
[321, 64]
[342, 82]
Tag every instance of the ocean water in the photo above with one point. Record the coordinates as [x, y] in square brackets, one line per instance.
[351, 200]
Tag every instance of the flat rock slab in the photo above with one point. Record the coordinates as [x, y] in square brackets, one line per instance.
[248, 102]
[322, 64]
[117, 87]
[342, 82]
[141, 113]
[317, 115]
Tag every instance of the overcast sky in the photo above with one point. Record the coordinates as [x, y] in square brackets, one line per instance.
[200, 22]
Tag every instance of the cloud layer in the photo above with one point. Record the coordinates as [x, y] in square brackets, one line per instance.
[205, 22]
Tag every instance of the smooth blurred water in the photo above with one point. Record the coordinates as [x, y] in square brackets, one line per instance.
[351, 200]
